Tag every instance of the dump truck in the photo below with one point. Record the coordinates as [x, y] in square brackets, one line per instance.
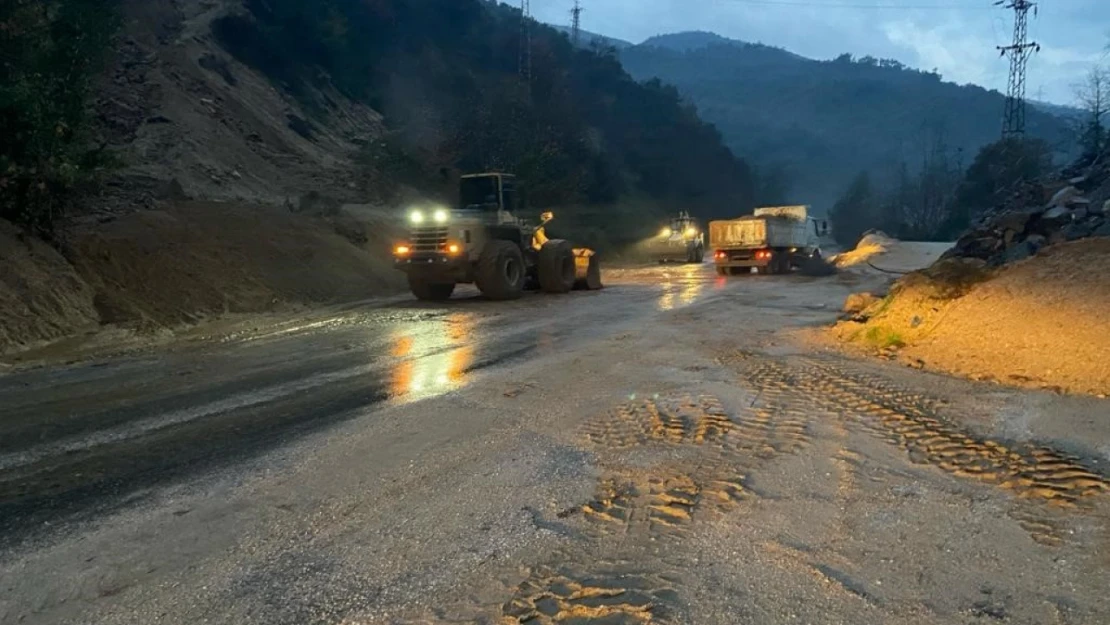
[481, 241]
[774, 239]
[682, 240]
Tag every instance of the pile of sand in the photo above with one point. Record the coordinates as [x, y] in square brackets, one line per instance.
[1043, 322]
[872, 244]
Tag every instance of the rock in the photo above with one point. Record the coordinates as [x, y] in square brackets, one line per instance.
[1062, 196]
[1057, 213]
[1015, 221]
[1021, 251]
[1078, 201]
[1105, 208]
[1102, 231]
[1078, 180]
[858, 302]
[1074, 231]
[1037, 241]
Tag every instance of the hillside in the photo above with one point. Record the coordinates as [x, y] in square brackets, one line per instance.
[245, 136]
[825, 121]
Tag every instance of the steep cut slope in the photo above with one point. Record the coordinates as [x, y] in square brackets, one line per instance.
[824, 120]
[446, 75]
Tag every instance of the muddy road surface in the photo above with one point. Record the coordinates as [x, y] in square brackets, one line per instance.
[669, 450]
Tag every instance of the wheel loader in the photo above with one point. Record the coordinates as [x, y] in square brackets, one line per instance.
[682, 240]
[480, 241]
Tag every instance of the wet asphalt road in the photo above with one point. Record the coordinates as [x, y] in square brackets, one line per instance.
[83, 440]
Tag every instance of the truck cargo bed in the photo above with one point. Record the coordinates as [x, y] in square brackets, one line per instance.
[758, 233]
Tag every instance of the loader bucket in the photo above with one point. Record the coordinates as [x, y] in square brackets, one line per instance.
[587, 269]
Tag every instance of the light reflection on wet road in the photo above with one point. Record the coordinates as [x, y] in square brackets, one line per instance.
[74, 440]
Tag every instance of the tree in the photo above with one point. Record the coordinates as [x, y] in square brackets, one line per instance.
[855, 212]
[1093, 96]
[51, 50]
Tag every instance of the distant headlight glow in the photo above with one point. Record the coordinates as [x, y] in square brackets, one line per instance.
[440, 215]
[416, 217]
[690, 232]
[666, 232]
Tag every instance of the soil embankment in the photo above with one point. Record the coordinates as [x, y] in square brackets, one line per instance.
[161, 269]
[1042, 322]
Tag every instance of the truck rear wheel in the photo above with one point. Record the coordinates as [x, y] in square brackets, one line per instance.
[556, 266]
[500, 271]
[428, 291]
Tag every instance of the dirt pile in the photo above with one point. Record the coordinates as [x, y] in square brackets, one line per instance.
[1043, 322]
[41, 295]
[157, 270]
[1038, 215]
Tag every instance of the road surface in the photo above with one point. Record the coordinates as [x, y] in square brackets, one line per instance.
[668, 450]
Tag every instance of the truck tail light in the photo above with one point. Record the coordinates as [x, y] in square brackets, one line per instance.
[401, 250]
[720, 255]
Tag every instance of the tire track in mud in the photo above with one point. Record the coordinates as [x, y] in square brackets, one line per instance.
[719, 449]
[606, 593]
[915, 423]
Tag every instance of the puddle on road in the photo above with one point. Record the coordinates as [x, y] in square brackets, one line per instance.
[682, 286]
[435, 356]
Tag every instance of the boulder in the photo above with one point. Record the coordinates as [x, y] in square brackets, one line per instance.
[1015, 221]
[1079, 230]
[1021, 251]
[1064, 195]
[1057, 213]
[1102, 231]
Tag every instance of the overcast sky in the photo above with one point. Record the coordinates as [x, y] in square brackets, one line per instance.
[955, 37]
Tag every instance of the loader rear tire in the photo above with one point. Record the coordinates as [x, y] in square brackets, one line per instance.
[555, 266]
[430, 291]
[592, 281]
[500, 272]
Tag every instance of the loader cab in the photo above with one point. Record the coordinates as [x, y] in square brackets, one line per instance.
[494, 194]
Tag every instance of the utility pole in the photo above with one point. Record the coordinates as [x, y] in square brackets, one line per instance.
[526, 41]
[576, 22]
[1013, 119]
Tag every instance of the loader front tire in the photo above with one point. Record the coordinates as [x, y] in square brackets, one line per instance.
[500, 272]
[428, 291]
[555, 266]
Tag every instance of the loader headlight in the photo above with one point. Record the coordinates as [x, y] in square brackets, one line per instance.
[666, 232]
[690, 232]
[416, 217]
[440, 215]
